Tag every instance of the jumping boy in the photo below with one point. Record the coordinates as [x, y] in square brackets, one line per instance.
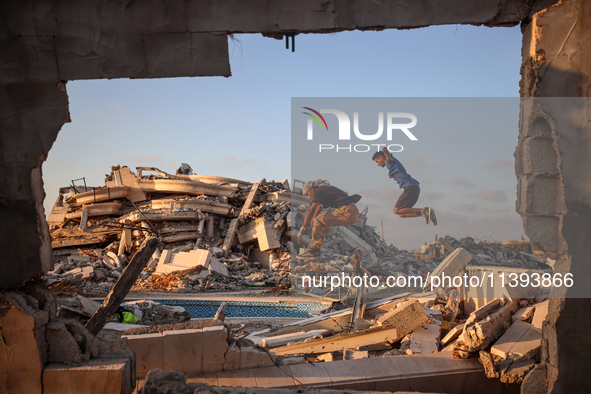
[410, 195]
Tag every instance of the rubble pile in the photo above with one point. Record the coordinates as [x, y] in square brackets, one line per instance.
[494, 253]
[503, 331]
[385, 261]
[216, 233]
[148, 312]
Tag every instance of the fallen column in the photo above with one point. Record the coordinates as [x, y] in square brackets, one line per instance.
[123, 285]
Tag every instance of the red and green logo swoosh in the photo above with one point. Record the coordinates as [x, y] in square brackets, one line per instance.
[315, 118]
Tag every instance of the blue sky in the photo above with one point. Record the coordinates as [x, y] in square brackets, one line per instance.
[240, 126]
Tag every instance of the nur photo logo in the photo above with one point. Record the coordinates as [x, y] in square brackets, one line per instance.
[389, 125]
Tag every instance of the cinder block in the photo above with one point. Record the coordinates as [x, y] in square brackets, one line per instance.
[215, 346]
[543, 230]
[544, 196]
[183, 350]
[149, 352]
[98, 376]
[540, 157]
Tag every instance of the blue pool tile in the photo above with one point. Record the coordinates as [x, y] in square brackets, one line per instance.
[207, 309]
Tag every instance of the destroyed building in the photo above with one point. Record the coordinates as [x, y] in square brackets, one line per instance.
[217, 227]
[48, 43]
[97, 231]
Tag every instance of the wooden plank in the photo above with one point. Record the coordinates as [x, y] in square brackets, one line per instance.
[122, 286]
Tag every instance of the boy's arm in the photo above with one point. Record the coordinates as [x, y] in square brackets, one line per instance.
[387, 153]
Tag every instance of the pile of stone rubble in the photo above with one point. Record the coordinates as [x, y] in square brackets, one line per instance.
[500, 326]
[217, 234]
[502, 332]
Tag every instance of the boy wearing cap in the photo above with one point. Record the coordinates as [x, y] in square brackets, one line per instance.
[323, 195]
[410, 195]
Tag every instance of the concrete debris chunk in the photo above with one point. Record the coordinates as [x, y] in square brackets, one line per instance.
[541, 311]
[424, 339]
[520, 342]
[170, 262]
[453, 265]
[478, 335]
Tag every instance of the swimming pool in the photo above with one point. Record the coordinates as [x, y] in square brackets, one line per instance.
[207, 309]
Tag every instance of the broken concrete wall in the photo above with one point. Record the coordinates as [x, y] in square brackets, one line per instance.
[35, 345]
[553, 150]
[30, 120]
[188, 351]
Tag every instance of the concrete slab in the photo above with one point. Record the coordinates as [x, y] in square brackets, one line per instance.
[309, 374]
[20, 361]
[179, 261]
[272, 377]
[214, 346]
[345, 370]
[528, 347]
[484, 310]
[424, 339]
[378, 367]
[284, 339]
[217, 266]
[339, 342]
[210, 378]
[509, 339]
[523, 313]
[238, 378]
[452, 335]
[251, 357]
[97, 376]
[451, 266]
[183, 350]
[232, 360]
[149, 352]
[540, 315]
